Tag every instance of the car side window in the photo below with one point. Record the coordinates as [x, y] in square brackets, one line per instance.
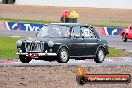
[76, 31]
[87, 33]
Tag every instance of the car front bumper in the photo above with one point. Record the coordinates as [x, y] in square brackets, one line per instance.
[38, 54]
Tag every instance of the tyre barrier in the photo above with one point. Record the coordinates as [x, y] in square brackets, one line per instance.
[21, 26]
[4, 1]
[8, 1]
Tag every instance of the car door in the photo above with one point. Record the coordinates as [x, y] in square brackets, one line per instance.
[77, 44]
[90, 40]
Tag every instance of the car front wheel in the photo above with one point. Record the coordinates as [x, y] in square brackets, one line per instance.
[24, 59]
[63, 56]
[124, 39]
[100, 56]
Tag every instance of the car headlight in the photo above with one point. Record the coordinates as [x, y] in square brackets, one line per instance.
[19, 43]
[50, 43]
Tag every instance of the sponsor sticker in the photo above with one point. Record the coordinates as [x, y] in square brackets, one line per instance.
[83, 77]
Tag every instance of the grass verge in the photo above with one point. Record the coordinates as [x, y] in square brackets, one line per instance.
[25, 20]
[118, 53]
[47, 22]
[8, 49]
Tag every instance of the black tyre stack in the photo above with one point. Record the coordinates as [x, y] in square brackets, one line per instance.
[8, 1]
[4, 1]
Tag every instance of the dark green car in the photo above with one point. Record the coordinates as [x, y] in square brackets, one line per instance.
[63, 41]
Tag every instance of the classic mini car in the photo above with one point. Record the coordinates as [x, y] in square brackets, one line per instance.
[126, 34]
[63, 41]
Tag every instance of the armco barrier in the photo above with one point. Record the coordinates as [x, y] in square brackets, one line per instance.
[36, 27]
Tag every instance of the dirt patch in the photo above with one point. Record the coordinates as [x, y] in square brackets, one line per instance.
[87, 15]
[56, 76]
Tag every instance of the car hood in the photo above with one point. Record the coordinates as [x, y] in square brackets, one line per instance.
[43, 39]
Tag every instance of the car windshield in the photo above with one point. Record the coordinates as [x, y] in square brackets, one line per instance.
[54, 31]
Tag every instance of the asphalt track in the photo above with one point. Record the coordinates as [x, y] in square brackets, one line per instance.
[114, 41]
[13, 33]
[88, 62]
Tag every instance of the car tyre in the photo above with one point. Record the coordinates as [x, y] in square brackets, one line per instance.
[124, 39]
[81, 80]
[100, 56]
[24, 59]
[63, 56]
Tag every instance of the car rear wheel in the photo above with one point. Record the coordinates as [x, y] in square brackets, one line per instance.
[100, 56]
[81, 80]
[63, 56]
[124, 39]
[24, 59]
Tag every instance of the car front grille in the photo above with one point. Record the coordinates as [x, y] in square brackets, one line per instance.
[34, 46]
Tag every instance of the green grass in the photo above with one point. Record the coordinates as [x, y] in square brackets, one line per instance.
[118, 53]
[8, 49]
[25, 20]
[106, 25]
[46, 22]
[121, 21]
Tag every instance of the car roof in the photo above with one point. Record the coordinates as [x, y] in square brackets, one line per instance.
[70, 24]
